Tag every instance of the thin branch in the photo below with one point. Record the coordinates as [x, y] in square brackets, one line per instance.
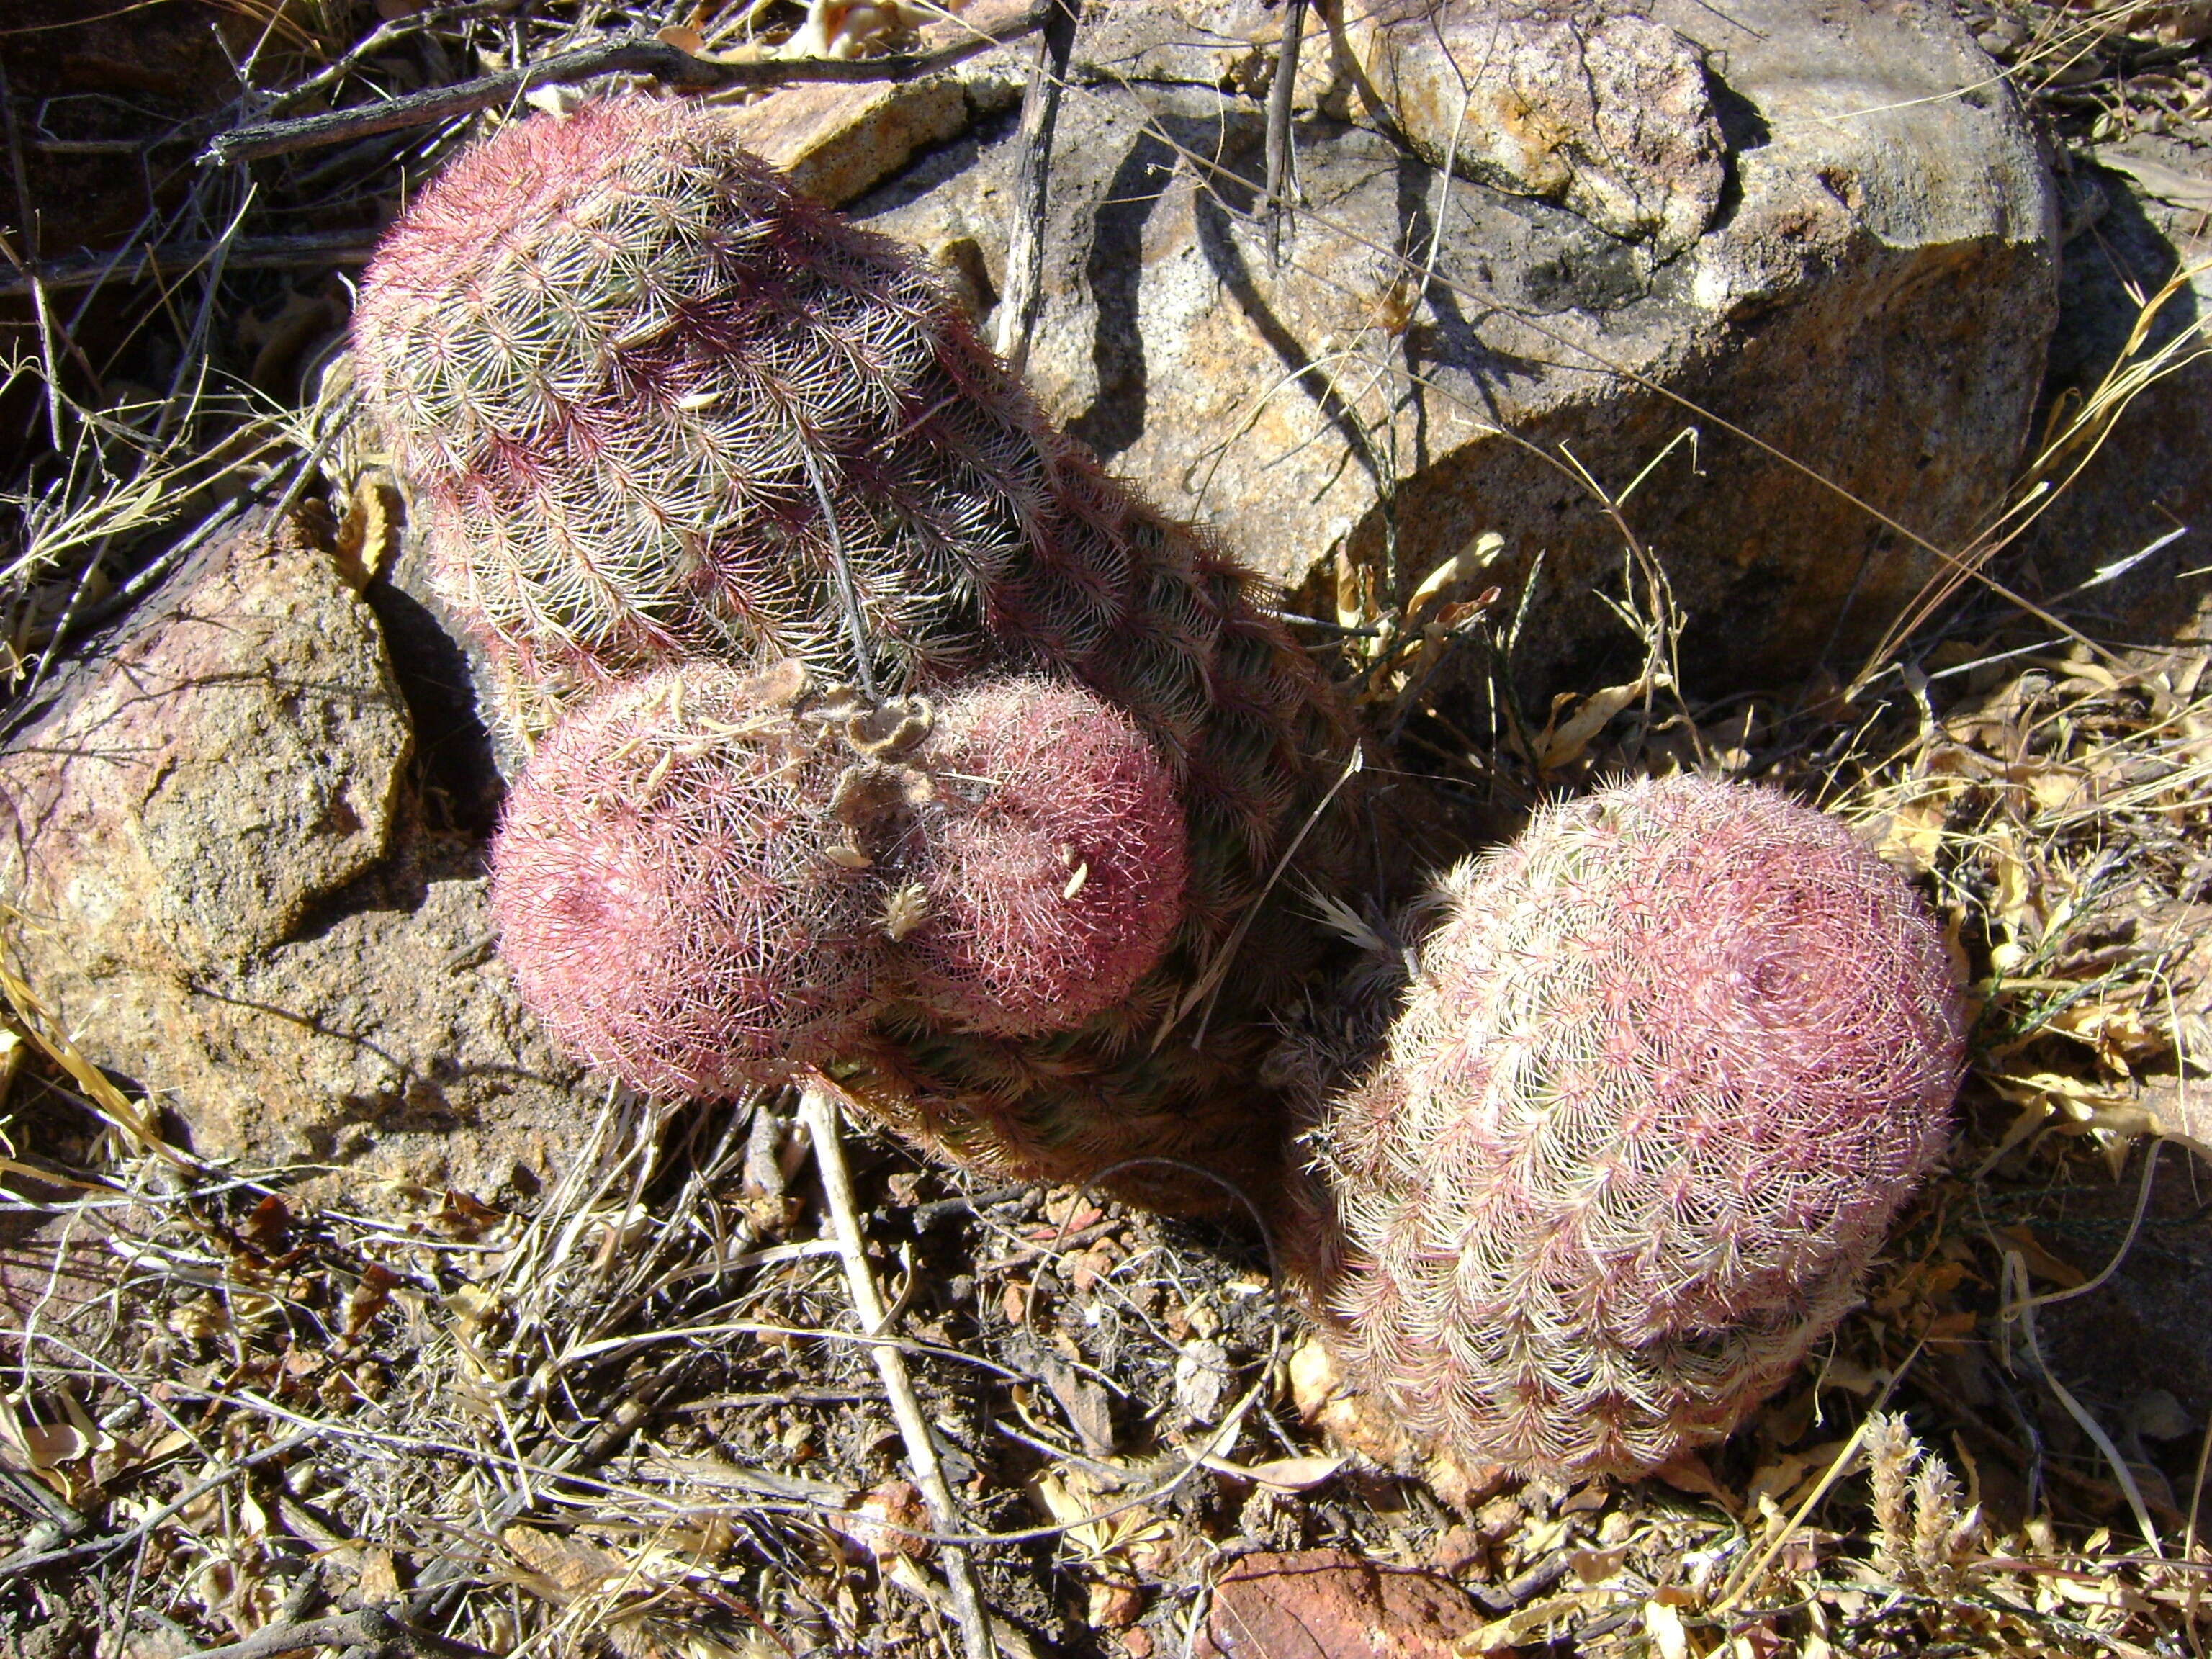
[841, 572]
[1282, 157]
[315, 251]
[671, 65]
[370, 1628]
[1025, 285]
[818, 1109]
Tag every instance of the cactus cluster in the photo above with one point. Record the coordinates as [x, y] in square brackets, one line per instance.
[654, 407]
[1668, 1065]
[883, 735]
[706, 881]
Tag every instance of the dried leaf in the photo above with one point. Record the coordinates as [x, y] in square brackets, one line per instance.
[1915, 836]
[48, 1445]
[2170, 184]
[1084, 1401]
[1283, 1474]
[1564, 745]
[2040, 1261]
[1664, 1626]
[1595, 1566]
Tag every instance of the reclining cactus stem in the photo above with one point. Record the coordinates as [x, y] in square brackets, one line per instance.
[1669, 1066]
[706, 880]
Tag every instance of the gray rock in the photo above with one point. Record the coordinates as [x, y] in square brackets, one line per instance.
[226, 889]
[1853, 321]
[2149, 486]
[1610, 117]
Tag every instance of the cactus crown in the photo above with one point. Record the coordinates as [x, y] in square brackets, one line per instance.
[1670, 1064]
[705, 879]
[1054, 863]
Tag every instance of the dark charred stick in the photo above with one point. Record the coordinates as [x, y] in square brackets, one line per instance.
[1024, 286]
[369, 1627]
[1282, 158]
[671, 65]
[312, 252]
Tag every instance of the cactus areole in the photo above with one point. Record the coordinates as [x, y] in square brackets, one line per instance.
[1670, 1064]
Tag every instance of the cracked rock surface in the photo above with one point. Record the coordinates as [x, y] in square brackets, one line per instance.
[230, 892]
[1828, 228]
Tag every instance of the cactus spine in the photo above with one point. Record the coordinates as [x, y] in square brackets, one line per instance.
[1669, 1066]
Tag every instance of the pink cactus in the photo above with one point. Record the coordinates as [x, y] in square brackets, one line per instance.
[1053, 865]
[669, 892]
[651, 404]
[705, 880]
[1670, 1065]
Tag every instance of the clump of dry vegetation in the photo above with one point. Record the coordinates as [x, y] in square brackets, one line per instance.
[653, 1412]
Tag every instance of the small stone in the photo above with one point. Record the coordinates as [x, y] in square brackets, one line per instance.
[1328, 1604]
[1115, 1607]
[1202, 1381]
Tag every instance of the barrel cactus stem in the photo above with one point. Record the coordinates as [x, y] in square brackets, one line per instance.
[1669, 1066]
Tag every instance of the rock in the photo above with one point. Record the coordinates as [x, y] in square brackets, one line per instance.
[837, 141]
[2149, 1323]
[227, 892]
[1610, 117]
[1330, 1604]
[238, 757]
[1866, 288]
[2153, 476]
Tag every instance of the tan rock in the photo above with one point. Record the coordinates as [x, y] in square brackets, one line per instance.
[1610, 117]
[1852, 322]
[837, 141]
[221, 886]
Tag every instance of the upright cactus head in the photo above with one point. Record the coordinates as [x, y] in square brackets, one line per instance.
[675, 893]
[705, 880]
[622, 366]
[1670, 1064]
[1053, 863]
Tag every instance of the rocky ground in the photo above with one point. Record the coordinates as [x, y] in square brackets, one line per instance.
[1845, 427]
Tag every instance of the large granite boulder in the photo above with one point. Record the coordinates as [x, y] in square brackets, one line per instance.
[1822, 237]
[224, 883]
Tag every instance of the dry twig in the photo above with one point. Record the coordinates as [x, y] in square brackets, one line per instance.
[1282, 157]
[818, 1109]
[670, 65]
[1018, 308]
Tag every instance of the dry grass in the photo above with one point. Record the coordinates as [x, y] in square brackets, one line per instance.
[640, 1416]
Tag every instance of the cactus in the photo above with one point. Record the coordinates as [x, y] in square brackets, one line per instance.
[1050, 862]
[1668, 1067]
[675, 893]
[650, 405]
[705, 881]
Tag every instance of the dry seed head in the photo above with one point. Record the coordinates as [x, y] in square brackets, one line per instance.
[1671, 1063]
